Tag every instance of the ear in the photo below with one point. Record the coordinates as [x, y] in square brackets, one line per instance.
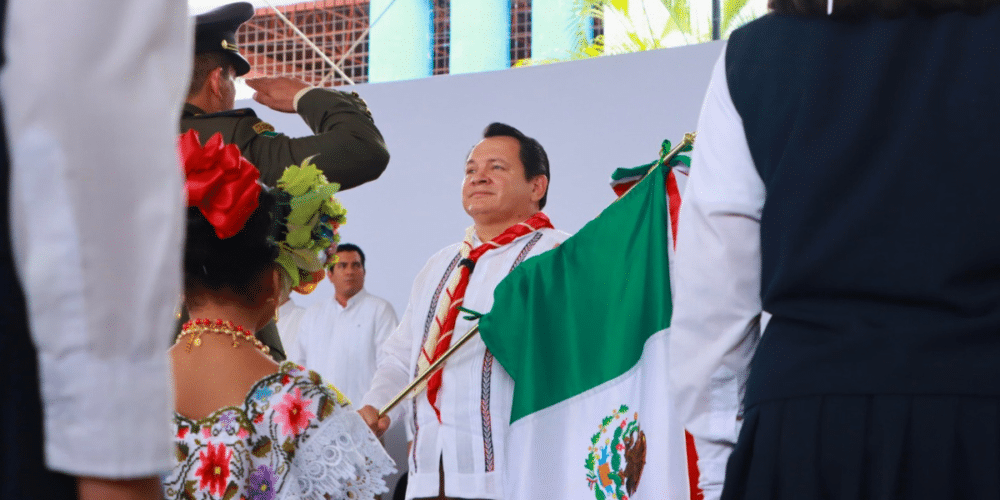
[214, 82]
[539, 184]
[270, 289]
[276, 287]
[271, 293]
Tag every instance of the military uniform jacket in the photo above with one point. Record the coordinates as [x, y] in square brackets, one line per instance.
[349, 148]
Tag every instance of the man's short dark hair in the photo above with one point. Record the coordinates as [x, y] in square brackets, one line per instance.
[351, 247]
[533, 156]
[204, 64]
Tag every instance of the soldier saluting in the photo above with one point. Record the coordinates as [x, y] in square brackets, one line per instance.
[347, 146]
[350, 148]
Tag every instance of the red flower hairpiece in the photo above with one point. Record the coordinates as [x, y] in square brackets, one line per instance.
[220, 182]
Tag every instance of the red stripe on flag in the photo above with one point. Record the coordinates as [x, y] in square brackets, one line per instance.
[693, 476]
[674, 198]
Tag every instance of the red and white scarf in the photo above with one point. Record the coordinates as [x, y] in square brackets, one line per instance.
[441, 330]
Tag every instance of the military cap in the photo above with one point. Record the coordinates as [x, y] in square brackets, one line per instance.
[215, 31]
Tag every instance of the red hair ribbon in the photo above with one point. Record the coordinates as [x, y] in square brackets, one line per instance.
[219, 181]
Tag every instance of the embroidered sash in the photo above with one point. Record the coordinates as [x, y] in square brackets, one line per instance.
[439, 336]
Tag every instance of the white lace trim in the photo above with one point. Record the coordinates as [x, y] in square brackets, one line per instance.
[340, 460]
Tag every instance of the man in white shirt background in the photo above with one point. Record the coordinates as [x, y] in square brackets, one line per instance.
[289, 316]
[340, 337]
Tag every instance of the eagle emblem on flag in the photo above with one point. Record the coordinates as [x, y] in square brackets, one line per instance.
[617, 456]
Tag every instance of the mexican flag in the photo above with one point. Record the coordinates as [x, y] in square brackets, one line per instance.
[583, 330]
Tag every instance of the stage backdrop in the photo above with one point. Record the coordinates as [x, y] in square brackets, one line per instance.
[591, 116]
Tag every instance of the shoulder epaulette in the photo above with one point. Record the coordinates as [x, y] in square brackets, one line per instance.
[234, 113]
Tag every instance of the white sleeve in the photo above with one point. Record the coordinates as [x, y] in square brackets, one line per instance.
[717, 281]
[92, 93]
[342, 460]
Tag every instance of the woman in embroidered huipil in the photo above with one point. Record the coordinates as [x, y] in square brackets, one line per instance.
[246, 427]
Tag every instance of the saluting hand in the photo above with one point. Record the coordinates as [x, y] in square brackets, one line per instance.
[276, 92]
[377, 425]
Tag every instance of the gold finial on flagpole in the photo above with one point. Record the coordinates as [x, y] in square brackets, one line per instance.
[665, 157]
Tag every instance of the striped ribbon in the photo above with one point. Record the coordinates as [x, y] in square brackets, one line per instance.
[439, 336]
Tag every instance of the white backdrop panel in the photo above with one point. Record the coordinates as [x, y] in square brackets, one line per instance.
[591, 116]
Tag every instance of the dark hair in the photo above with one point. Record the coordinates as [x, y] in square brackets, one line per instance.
[235, 263]
[881, 8]
[533, 156]
[204, 64]
[351, 247]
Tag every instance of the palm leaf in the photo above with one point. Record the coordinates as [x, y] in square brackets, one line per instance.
[730, 9]
[680, 14]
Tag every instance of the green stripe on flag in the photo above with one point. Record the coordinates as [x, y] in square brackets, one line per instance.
[574, 317]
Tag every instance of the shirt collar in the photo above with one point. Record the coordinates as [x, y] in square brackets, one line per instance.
[353, 300]
[476, 241]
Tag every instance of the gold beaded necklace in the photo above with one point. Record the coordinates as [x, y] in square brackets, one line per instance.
[196, 327]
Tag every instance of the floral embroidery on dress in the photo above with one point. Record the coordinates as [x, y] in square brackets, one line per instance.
[293, 413]
[214, 469]
[262, 393]
[249, 452]
[260, 484]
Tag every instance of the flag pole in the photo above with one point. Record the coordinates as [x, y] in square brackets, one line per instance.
[666, 157]
[427, 373]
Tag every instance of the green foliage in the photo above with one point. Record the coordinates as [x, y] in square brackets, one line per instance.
[641, 32]
[289, 447]
[618, 483]
[189, 488]
[616, 458]
[730, 10]
[231, 491]
[262, 447]
[599, 493]
[325, 407]
[630, 428]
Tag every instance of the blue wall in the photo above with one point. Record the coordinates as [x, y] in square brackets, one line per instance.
[480, 35]
[400, 41]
